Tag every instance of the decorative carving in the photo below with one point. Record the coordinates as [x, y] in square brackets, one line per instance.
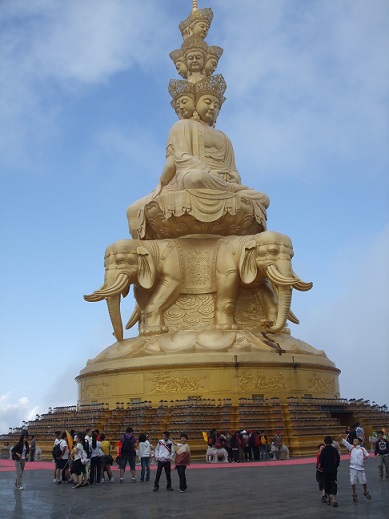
[249, 381]
[322, 384]
[94, 391]
[165, 383]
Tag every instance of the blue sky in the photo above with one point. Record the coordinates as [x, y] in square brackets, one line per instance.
[85, 114]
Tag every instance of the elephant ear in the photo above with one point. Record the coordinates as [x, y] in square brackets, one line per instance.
[146, 268]
[247, 263]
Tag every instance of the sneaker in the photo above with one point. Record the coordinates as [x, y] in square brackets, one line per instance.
[112, 480]
[141, 481]
[170, 488]
[77, 485]
[121, 480]
[182, 491]
[54, 480]
[324, 499]
[20, 487]
[59, 482]
[133, 480]
[155, 489]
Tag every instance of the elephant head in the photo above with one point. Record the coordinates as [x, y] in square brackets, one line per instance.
[269, 254]
[125, 262]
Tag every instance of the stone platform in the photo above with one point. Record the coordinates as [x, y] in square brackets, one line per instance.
[217, 365]
[277, 490]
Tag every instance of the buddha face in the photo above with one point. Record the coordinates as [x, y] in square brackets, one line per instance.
[194, 60]
[210, 66]
[181, 68]
[200, 29]
[185, 107]
[208, 108]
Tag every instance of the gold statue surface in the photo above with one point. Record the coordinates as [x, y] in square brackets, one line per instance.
[208, 276]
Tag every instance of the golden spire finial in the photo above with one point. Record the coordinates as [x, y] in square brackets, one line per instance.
[194, 5]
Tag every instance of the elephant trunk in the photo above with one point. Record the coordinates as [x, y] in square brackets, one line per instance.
[113, 304]
[284, 300]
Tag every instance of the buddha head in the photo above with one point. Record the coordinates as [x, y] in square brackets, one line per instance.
[183, 101]
[209, 97]
[197, 23]
[178, 59]
[194, 50]
[212, 59]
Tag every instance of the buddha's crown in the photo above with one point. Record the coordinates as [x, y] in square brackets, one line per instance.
[214, 85]
[203, 15]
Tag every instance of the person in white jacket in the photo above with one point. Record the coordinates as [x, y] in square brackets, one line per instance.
[358, 455]
[164, 453]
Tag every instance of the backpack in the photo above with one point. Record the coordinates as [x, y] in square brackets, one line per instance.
[263, 440]
[57, 451]
[127, 444]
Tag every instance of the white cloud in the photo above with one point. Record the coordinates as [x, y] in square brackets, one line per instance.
[13, 410]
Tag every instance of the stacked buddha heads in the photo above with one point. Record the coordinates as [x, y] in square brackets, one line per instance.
[196, 62]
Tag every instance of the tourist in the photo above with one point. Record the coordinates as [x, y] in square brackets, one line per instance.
[319, 474]
[360, 433]
[78, 468]
[277, 440]
[32, 448]
[127, 454]
[164, 453]
[329, 460]
[95, 460]
[381, 453]
[358, 455]
[19, 455]
[263, 446]
[235, 440]
[255, 443]
[145, 450]
[62, 462]
[56, 442]
[107, 459]
[182, 460]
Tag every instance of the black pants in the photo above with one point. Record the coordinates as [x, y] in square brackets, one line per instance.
[330, 483]
[182, 476]
[163, 465]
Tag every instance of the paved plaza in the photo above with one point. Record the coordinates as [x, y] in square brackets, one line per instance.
[285, 489]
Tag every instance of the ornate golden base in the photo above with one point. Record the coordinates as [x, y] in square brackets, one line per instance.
[119, 375]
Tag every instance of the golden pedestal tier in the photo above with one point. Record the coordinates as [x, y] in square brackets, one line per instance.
[207, 364]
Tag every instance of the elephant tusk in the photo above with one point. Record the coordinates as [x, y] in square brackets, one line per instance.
[120, 285]
[135, 317]
[302, 286]
[276, 277]
[292, 318]
[92, 298]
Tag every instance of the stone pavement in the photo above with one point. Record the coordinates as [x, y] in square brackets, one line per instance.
[273, 490]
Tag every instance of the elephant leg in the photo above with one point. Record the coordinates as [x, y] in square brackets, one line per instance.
[227, 284]
[162, 298]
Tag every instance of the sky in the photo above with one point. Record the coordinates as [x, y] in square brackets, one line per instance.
[85, 115]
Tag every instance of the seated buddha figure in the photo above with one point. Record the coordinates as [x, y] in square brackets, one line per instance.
[200, 177]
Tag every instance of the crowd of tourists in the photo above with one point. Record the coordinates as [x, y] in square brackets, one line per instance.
[84, 458]
[242, 445]
[328, 460]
